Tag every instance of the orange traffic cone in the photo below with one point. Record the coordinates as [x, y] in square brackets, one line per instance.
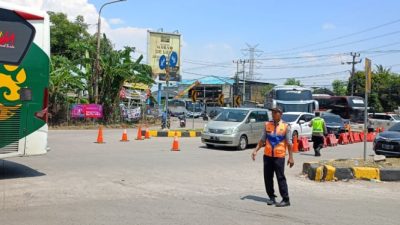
[100, 136]
[139, 134]
[124, 136]
[175, 144]
[147, 134]
[295, 148]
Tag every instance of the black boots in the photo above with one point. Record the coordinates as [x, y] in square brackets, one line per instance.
[271, 201]
[283, 203]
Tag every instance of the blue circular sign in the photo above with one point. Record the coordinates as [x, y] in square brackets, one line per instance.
[173, 59]
[163, 62]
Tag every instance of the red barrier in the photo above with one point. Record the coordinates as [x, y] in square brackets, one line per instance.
[343, 139]
[304, 145]
[371, 136]
[350, 137]
[356, 137]
[295, 147]
[325, 142]
[362, 136]
[331, 139]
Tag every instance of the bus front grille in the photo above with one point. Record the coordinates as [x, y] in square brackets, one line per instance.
[10, 119]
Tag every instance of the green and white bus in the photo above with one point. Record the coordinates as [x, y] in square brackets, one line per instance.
[24, 80]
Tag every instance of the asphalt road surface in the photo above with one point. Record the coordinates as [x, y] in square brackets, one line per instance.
[142, 182]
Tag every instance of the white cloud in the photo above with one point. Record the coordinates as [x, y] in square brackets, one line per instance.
[122, 36]
[328, 26]
[116, 21]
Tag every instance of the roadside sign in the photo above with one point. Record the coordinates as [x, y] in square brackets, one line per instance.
[173, 59]
[221, 99]
[163, 62]
[194, 96]
[368, 75]
[238, 100]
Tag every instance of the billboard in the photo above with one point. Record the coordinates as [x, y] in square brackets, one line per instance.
[87, 111]
[159, 44]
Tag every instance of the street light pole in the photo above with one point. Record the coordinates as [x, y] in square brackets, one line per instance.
[97, 63]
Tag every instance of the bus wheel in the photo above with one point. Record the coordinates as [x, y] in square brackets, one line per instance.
[242, 143]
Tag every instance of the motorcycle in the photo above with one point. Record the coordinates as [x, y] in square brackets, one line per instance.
[182, 121]
[165, 123]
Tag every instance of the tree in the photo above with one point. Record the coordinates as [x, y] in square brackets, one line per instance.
[385, 88]
[293, 81]
[339, 87]
[64, 79]
[118, 67]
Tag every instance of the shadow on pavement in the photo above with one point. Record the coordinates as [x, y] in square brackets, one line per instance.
[254, 198]
[308, 154]
[12, 170]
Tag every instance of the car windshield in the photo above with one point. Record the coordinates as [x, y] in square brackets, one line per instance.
[289, 117]
[333, 119]
[230, 115]
[396, 117]
[293, 95]
[197, 107]
[395, 127]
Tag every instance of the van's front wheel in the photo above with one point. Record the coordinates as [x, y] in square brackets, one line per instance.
[242, 143]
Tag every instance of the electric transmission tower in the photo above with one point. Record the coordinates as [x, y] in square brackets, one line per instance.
[253, 53]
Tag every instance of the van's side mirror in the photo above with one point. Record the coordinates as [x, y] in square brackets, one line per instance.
[252, 120]
[302, 122]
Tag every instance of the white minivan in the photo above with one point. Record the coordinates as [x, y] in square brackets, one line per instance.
[235, 127]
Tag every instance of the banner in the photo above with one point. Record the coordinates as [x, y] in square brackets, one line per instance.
[87, 111]
[159, 44]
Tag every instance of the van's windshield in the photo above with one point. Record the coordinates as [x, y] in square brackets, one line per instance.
[232, 115]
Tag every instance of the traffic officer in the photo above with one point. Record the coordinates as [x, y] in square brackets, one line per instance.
[318, 132]
[276, 138]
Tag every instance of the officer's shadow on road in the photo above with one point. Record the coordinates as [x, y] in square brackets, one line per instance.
[12, 170]
[254, 198]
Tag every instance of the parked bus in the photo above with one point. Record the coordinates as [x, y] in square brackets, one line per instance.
[324, 101]
[24, 80]
[348, 107]
[291, 99]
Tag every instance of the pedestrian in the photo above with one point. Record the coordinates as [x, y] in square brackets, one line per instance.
[319, 131]
[276, 138]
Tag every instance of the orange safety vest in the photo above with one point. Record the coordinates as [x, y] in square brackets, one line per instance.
[276, 143]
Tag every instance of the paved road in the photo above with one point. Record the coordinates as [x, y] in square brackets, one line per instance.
[142, 182]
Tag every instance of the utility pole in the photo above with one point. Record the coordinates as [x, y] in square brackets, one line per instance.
[236, 89]
[97, 63]
[244, 78]
[353, 63]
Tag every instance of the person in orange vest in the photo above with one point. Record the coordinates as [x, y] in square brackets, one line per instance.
[276, 138]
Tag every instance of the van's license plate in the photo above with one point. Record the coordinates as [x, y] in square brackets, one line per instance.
[214, 138]
[388, 147]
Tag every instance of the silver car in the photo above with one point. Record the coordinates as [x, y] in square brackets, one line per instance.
[235, 127]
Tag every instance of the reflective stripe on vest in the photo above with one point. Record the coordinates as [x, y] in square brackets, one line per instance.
[318, 125]
[276, 143]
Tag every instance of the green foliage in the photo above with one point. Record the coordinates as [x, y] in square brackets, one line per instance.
[266, 89]
[73, 62]
[293, 81]
[385, 88]
[339, 87]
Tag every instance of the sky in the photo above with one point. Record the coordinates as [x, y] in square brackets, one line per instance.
[304, 39]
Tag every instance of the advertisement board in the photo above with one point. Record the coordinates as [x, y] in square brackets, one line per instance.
[159, 44]
[87, 111]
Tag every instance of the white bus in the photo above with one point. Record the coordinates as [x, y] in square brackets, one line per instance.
[291, 99]
[24, 80]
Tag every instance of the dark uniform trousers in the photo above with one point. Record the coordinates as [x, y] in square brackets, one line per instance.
[275, 165]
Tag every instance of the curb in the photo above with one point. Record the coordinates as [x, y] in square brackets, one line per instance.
[317, 172]
[171, 133]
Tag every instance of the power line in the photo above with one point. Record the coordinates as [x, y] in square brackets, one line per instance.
[349, 43]
[309, 76]
[337, 38]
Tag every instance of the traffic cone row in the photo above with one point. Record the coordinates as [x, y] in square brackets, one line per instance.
[175, 143]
